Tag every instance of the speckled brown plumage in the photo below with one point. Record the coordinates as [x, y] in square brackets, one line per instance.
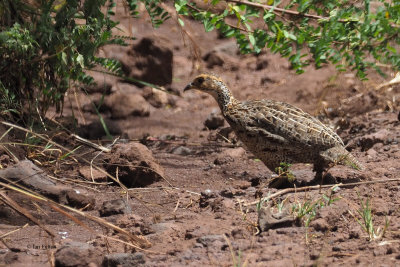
[277, 132]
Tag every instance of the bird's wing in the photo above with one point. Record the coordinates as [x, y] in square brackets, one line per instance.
[291, 123]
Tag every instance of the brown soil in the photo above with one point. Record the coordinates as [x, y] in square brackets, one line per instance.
[207, 180]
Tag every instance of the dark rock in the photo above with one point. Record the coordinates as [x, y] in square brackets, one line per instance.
[95, 129]
[214, 121]
[76, 254]
[123, 260]
[268, 220]
[262, 63]
[320, 225]
[136, 164]
[265, 80]
[116, 206]
[368, 141]
[205, 198]
[226, 193]
[213, 58]
[78, 200]
[123, 105]
[148, 61]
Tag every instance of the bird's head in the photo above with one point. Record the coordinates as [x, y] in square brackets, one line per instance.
[210, 84]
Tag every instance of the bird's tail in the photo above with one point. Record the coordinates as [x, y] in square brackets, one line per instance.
[341, 156]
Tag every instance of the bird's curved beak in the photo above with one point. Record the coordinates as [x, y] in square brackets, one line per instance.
[188, 87]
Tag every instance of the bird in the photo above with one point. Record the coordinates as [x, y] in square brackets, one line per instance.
[277, 132]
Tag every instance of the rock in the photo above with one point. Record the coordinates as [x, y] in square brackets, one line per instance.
[113, 207]
[229, 155]
[76, 199]
[268, 220]
[214, 121]
[92, 174]
[262, 63]
[208, 240]
[29, 175]
[136, 164]
[372, 153]
[213, 58]
[95, 129]
[181, 150]
[126, 88]
[156, 98]
[205, 198]
[320, 225]
[102, 83]
[124, 105]
[367, 141]
[148, 61]
[123, 259]
[77, 254]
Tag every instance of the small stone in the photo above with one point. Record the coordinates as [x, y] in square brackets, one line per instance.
[123, 105]
[205, 198]
[214, 121]
[320, 225]
[208, 240]
[156, 98]
[78, 200]
[90, 174]
[212, 59]
[136, 164]
[113, 207]
[267, 219]
[181, 150]
[76, 254]
[372, 153]
[123, 259]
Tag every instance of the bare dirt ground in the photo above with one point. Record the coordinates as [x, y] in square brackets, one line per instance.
[196, 211]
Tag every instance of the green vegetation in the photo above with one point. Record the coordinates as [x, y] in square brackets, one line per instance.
[345, 33]
[366, 221]
[45, 46]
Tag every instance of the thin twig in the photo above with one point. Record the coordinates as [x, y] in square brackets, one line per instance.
[316, 187]
[13, 231]
[14, 205]
[282, 10]
[65, 149]
[89, 143]
[140, 240]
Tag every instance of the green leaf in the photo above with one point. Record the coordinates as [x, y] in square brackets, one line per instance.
[79, 59]
[64, 58]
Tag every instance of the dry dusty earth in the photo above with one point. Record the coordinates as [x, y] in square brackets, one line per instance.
[192, 184]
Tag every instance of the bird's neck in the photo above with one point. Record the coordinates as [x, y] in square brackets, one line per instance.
[225, 98]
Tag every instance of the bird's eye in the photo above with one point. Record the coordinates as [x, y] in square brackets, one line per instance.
[200, 80]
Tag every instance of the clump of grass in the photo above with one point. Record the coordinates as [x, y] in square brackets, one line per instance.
[307, 210]
[237, 260]
[284, 171]
[366, 221]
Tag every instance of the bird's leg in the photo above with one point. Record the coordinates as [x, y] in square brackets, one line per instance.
[319, 168]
